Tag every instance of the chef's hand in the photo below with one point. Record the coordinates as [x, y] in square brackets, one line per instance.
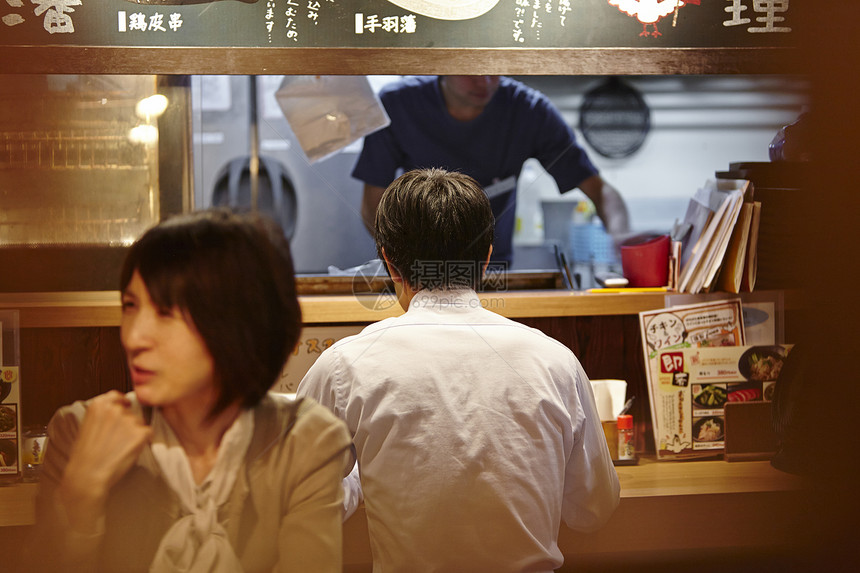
[610, 207]
[110, 439]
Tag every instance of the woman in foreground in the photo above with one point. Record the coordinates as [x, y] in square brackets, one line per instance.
[200, 468]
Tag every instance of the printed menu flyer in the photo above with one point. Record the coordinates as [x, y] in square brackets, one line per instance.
[10, 405]
[709, 324]
[10, 420]
[693, 386]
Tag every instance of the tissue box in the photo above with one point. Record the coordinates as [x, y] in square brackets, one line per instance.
[609, 396]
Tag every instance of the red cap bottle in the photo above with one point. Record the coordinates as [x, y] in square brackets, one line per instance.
[626, 450]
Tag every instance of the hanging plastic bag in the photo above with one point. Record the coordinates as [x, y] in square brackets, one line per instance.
[327, 113]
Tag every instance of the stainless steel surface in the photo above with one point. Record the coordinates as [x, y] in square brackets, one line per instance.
[255, 143]
[328, 228]
[546, 279]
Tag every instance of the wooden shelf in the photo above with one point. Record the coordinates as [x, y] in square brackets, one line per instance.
[102, 308]
[64, 309]
[651, 478]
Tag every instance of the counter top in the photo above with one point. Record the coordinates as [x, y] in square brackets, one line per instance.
[650, 478]
[102, 308]
[17, 504]
[667, 509]
[665, 506]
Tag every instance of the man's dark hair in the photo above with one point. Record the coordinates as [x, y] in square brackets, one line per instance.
[436, 228]
[232, 276]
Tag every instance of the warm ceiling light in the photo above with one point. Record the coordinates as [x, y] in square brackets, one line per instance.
[146, 134]
[152, 106]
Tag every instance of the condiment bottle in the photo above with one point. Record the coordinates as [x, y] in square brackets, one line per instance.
[33, 452]
[625, 437]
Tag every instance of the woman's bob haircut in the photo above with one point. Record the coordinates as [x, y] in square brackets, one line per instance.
[231, 275]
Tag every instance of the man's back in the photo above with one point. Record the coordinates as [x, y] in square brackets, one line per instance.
[471, 437]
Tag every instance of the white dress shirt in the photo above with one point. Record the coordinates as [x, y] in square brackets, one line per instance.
[475, 436]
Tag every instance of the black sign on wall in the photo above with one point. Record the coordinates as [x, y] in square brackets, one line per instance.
[398, 23]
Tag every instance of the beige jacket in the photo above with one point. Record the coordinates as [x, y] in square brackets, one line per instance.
[284, 513]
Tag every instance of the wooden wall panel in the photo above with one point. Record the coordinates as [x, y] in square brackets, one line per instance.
[61, 365]
[608, 347]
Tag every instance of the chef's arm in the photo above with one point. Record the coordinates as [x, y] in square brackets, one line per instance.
[369, 203]
[609, 204]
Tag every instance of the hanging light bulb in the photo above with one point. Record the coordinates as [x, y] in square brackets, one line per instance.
[145, 134]
[152, 106]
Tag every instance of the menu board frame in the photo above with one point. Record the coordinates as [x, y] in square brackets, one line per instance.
[285, 37]
[393, 61]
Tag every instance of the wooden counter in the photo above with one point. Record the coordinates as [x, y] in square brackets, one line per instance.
[70, 346]
[17, 504]
[666, 508]
[102, 308]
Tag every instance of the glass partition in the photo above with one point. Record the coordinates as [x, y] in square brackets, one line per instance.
[87, 163]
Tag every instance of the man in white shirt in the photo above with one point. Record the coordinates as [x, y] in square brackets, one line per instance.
[475, 435]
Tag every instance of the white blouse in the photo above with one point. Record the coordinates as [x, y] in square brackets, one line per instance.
[197, 542]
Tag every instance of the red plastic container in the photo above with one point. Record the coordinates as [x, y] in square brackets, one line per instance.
[645, 261]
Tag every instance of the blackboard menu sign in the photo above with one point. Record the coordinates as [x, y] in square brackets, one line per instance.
[398, 23]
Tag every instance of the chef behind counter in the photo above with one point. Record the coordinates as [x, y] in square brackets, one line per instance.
[486, 127]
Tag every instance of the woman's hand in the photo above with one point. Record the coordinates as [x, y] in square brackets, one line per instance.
[110, 439]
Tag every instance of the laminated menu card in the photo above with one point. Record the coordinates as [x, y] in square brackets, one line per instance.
[10, 421]
[10, 398]
[708, 324]
[693, 387]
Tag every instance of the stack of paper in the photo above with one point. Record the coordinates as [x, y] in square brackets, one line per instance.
[751, 262]
[709, 223]
[739, 265]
